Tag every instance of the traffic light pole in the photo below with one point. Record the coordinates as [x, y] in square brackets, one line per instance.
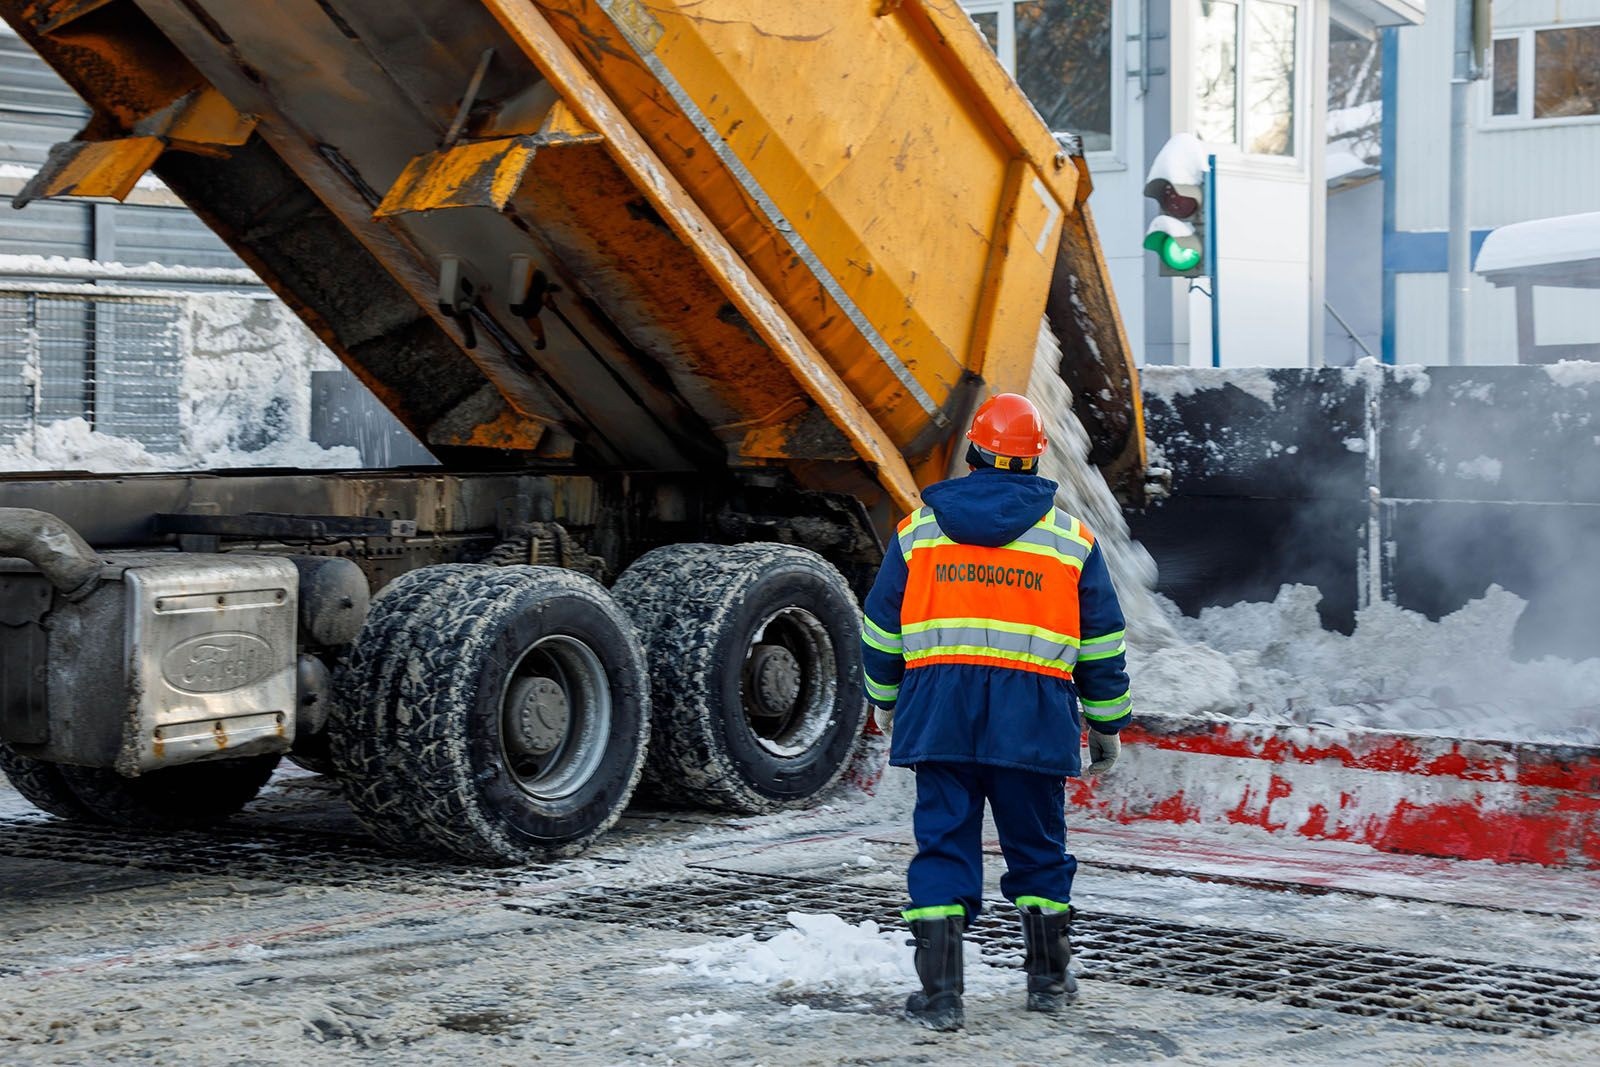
[1212, 263]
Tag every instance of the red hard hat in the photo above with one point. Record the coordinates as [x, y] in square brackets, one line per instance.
[1009, 425]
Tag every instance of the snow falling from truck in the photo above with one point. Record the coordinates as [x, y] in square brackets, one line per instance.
[1273, 661]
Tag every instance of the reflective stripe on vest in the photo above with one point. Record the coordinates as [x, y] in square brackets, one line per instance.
[1012, 606]
[1056, 536]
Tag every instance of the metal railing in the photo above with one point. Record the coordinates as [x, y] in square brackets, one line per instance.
[114, 361]
[74, 346]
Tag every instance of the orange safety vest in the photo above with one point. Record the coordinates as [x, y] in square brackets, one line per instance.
[1014, 606]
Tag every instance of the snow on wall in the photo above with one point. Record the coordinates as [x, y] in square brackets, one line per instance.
[1399, 467]
[1273, 662]
[1574, 373]
[244, 398]
[1169, 382]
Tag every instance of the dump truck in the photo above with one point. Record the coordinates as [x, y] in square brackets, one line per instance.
[689, 298]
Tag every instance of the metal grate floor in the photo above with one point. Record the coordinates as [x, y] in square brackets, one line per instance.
[1492, 998]
[1326, 975]
[297, 857]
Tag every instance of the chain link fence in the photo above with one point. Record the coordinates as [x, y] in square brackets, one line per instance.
[115, 361]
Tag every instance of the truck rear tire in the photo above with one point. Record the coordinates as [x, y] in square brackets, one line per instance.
[175, 798]
[755, 672]
[502, 718]
[42, 785]
[366, 689]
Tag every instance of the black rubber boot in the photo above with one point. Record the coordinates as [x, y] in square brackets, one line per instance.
[938, 958]
[1047, 944]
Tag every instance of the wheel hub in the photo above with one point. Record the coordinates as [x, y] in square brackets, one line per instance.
[777, 677]
[537, 716]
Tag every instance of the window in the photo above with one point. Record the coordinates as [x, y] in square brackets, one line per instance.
[1216, 118]
[1060, 53]
[989, 23]
[1504, 62]
[1546, 75]
[1246, 74]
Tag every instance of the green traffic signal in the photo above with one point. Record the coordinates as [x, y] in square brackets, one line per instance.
[1178, 255]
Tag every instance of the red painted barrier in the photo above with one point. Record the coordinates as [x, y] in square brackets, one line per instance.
[1510, 802]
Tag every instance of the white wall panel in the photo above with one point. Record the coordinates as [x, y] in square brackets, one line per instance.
[1517, 173]
[1420, 310]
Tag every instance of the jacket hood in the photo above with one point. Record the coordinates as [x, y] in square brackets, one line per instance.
[989, 507]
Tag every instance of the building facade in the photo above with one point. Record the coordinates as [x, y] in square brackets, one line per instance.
[1533, 147]
[1249, 78]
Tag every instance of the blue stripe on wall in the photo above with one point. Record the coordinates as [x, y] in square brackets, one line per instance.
[1422, 251]
[1391, 114]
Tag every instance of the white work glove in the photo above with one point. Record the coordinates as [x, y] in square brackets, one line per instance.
[1103, 751]
[884, 717]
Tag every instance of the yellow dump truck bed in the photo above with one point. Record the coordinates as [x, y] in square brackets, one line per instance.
[653, 235]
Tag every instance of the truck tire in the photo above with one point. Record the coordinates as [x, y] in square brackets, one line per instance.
[42, 785]
[175, 798]
[755, 672]
[516, 719]
[366, 689]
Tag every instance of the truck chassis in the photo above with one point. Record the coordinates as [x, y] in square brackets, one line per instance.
[495, 701]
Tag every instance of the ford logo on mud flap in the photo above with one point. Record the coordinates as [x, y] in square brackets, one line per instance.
[216, 663]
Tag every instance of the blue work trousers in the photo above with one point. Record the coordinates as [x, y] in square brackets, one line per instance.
[1030, 814]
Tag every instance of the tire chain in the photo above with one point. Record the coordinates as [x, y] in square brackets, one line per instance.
[673, 593]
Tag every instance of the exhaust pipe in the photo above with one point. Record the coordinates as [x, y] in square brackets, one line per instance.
[52, 546]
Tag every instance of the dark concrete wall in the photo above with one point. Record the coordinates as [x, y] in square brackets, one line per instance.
[1480, 476]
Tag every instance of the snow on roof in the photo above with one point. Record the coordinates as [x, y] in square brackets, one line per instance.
[1542, 242]
[1181, 161]
[1344, 167]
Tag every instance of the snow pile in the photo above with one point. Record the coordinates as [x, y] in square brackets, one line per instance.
[72, 445]
[822, 953]
[1398, 670]
[244, 399]
[1574, 373]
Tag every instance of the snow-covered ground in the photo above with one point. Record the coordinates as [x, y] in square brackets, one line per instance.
[73, 445]
[287, 938]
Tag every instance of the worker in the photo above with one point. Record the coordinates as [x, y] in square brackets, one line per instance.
[991, 620]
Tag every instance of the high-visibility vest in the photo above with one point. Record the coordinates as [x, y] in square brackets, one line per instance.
[1014, 606]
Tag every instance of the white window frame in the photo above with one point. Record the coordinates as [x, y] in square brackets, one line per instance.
[1234, 152]
[1006, 40]
[1523, 119]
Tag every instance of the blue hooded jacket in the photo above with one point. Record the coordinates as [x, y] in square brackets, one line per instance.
[965, 713]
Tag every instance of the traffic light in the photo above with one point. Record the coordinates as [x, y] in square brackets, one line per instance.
[1176, 182]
